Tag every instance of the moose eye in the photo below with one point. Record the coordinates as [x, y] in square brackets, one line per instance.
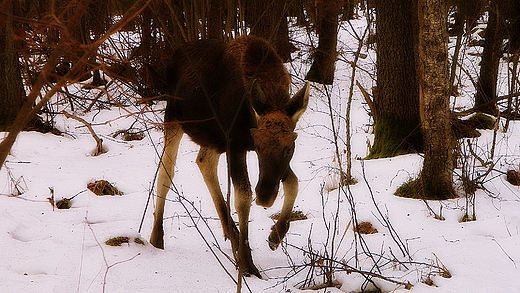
[287, 151]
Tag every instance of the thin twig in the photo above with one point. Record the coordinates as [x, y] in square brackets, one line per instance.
[99, 141]
[108, 267]
[350, 269]
[393, 233]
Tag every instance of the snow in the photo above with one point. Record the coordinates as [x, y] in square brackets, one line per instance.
[51, 250]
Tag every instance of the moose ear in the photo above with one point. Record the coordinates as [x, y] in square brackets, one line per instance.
[258, 99]
[298, 103]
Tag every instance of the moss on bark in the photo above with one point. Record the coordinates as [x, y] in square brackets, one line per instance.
[421, 189]
[394, 137]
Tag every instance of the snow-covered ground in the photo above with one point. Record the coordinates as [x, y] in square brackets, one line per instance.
[46, 250]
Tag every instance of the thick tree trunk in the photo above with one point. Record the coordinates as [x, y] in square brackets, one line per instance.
[268, 19]
[322, 68]
[514, 35]
[396, 99]
[436, 177]
[215, 19]
[487, 81]
[11, 87]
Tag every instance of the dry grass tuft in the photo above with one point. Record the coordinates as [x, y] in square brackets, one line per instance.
[103, 187]
[139, 241]
[64, 204]
[295, 216]
[513, 177]
[365, 228]
[117, 241]
[129, 134]
[428, 281]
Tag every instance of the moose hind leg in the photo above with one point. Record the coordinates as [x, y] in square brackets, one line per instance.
[172, 137]
[278, 231]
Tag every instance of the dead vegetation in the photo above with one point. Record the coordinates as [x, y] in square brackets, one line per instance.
[437, 268]
[64, 204]
[17, 185]
[117, 241]
[365, 228]
[295, 216]
[513, 177]
[103, 187]
[335, 284]
[130, 134]
[99, 142]
[120, 240]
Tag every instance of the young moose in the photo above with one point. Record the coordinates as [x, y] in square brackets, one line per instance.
[233, 98]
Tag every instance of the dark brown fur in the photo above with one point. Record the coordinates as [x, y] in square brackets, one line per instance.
[233, 98]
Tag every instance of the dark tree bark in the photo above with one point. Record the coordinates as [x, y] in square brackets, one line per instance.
[437, 174]
[268, 19]
[514, 32]
[347, 9]
[397, 128]
[215, 19]
[322, 68]
[487, 82]
[11, 87]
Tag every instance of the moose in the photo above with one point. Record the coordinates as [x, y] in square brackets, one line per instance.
[233, 98]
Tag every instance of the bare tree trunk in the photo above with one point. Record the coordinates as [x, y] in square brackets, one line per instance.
[268, 19]
[322, 68]
[514, 31]
[11, 87]
[215, 19]
[396, 115]
[436, 176]
[487, 81]
[347, 9]
[511, 10]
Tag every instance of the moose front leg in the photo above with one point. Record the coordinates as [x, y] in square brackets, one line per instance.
[278, 231]
[243, 198]
[207, 160]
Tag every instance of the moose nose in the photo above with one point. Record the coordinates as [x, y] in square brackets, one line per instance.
[266, 192]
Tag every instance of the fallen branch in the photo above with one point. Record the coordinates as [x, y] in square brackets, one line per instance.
[99, 142]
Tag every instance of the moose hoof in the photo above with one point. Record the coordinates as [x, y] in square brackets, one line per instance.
[278, 232]
[273, 243]
[251, 271]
